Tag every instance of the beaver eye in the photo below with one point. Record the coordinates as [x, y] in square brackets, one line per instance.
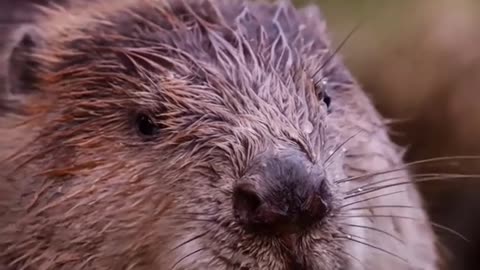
[326, 99]
[324, 85]
[145, 125]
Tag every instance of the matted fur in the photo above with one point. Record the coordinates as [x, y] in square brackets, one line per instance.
[229, 83]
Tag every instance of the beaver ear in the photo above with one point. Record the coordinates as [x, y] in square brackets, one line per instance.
[20, 64]
[17, 66]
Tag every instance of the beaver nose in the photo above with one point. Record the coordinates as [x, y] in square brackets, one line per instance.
[284, 197]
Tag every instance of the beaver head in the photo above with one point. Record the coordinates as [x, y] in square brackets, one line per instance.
[180, 135]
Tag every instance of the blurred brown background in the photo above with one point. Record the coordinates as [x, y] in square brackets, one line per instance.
[419, 60]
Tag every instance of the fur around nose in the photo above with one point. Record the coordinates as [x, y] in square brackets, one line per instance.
[286, 195]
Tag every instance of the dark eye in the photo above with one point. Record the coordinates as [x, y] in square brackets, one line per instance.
[324, 87]
[145, 125]
[326, 99]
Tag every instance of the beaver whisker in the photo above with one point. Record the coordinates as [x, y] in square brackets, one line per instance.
[200, 214]
[436, 225]
[370, 198]
[190, 240]
[417, 176]
[352, 238]
[381, 206]
[406, 166]
[340, 146]
[196, 219]
[359, 191]
[348, 255]
[373, 229]
[228, 263]
[337, 49]
[186, 257]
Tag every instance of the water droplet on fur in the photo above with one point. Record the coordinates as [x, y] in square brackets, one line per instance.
[359, 189]
[324, 82]
[349, 237]
[308, 127]
[331, 152]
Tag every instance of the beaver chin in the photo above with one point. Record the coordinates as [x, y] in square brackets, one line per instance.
[285, 253]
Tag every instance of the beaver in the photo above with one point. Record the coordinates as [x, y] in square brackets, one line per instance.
[197, 134]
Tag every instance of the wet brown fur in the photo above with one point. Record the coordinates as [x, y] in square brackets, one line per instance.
[230, 83]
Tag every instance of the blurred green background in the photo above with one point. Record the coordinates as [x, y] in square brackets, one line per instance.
[419, 61]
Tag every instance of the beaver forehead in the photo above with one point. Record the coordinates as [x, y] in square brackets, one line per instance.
[226, 45]
[186, 24]
[206, 56]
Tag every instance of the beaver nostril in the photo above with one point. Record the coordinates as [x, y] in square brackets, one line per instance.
[245, 202]
[254, 213]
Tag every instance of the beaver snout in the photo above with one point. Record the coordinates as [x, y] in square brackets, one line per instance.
[285, 194]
